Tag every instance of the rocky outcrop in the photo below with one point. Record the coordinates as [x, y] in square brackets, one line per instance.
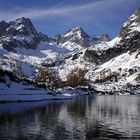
[57, 38]
[3, 27]
[100, 57]
[43, 37]
[104, 38]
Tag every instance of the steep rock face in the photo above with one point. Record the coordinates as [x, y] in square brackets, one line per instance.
[19, 33]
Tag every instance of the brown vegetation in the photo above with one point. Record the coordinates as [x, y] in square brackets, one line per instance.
[49, 78]
[76, 78]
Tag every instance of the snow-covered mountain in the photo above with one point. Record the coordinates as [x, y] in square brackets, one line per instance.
[73, 62]
[119, 60]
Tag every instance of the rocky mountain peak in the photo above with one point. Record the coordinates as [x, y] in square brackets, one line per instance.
[131, 25]
[127, 41]
[130, 33]
[77, 32]
[76, 35]
[104, 38]
[79, 36]
[25, 27]
[18, 33]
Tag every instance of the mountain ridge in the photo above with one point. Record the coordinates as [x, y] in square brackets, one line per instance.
[74, 62]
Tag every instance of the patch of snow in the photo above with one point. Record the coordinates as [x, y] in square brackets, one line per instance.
[136, 29]
[71, 46]
[105, 45]
[113, 42]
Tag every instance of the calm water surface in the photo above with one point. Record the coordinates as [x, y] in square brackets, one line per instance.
[84, 118]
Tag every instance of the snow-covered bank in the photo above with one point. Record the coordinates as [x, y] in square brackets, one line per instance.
[31, 97]
[18, 92]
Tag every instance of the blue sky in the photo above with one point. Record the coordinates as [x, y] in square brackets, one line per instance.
[57, 16]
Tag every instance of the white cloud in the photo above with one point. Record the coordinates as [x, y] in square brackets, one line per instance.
[78, 12]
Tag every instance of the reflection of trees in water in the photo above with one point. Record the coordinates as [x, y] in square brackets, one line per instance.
[85, 118]
[79, 107]
[50, 111]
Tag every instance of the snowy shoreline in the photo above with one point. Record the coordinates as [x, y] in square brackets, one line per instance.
[21, 101]
[40, 96]
[4, 98]
[19, 93]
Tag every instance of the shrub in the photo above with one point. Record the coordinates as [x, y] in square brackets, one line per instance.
[49, 78]
[76, 78]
